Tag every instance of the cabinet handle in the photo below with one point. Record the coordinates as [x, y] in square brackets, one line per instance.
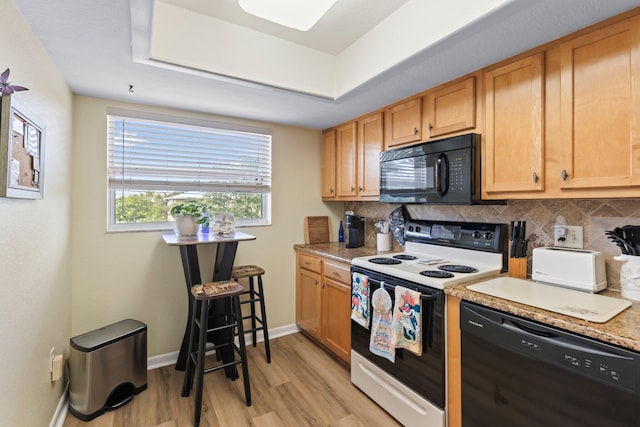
[353, 188]
[430, 126]
[331, 190]
[307, 263]
[360, 189]
[323, 285]
[335, 273]
[564, 175]
[535, 177]
[316, 283]
[415, 131]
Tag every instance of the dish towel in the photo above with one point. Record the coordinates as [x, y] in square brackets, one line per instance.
[360, 299]
[381, 342]
[407, 320]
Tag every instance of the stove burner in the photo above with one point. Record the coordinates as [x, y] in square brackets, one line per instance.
[405, 257]
[458, 268]
[437, 274]
[387, 261]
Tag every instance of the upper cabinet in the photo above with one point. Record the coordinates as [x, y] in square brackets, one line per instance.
[370, 144]
[351, 162]
[403, 123]
[600, 108]
[514, 129]
[346, 159]
[450, 109]
[329, 164]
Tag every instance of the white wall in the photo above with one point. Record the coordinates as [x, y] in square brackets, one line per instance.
[35, 267]
[135, 275]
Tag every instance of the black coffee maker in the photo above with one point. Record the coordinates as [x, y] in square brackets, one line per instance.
[355, 230]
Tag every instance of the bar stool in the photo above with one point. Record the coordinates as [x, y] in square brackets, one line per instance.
[204, 295]
[251, 271]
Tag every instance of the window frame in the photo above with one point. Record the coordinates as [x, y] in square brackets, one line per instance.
[113, 227]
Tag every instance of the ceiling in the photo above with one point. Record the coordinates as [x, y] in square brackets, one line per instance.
[209, 56]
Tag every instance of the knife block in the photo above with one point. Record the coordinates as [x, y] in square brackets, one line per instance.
[518, 268]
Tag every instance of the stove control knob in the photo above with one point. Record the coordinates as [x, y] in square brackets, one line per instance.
[488, 235]
[476, 234]
[411, 228]
[418, 229]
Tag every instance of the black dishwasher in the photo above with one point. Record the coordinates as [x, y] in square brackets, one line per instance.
[516, 372]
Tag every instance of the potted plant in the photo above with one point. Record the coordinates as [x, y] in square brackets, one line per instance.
[189, 216]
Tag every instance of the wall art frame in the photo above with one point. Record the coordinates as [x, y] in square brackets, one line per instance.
[22, 149]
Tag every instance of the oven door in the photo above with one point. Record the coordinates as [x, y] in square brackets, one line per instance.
[424, 375]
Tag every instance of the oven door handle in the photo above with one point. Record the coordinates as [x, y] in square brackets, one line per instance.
[428, 339]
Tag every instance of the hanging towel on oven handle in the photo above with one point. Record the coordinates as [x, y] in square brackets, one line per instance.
[407, 320]
[360, 299]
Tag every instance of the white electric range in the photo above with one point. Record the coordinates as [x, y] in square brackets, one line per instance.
[437, 254]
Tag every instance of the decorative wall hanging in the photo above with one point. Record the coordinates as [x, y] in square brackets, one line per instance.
[22, 138]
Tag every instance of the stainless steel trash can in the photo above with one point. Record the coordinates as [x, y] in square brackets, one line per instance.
[108, 367]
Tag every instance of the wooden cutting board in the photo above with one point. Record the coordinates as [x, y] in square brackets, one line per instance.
[317, 229]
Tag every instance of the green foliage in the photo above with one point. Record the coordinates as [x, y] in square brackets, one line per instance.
[152, 206]
[196, 210]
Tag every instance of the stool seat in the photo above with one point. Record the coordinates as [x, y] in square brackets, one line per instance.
[255, 296]
[243, 271]
[221, 289]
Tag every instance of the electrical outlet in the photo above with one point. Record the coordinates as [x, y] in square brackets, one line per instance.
[568, 236]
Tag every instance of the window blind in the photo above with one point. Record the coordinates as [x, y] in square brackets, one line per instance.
[156, 155]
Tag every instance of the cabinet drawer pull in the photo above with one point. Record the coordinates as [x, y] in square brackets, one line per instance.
[307, 263]
[353, 188]
[331, 190]
[535, 177]
[360, 189]
[430, 126]
[316, 283]
[415, 131]
[564, 175]
[335, 273]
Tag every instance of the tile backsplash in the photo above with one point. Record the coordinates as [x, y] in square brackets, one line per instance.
[594, 215]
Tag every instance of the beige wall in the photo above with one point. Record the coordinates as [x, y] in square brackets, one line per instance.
[35, 267]
[135, 275]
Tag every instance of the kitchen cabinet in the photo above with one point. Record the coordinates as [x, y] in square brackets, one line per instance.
[370, 144]
[323, 302]
[329, 164]
[513, 153]
[403, 123]
[450, 109]
[346, 160]
[600, 108]
[350, 162]
[308, 294]
[336, 308]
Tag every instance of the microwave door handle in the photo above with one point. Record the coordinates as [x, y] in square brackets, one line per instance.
[442, 174]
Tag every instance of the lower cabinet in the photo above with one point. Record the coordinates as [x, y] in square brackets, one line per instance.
[323, 302]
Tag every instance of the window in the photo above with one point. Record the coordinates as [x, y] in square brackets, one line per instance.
[155, 161]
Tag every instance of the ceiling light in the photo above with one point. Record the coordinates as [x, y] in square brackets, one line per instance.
[298, 14]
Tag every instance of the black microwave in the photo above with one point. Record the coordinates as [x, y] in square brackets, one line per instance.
[446, 171]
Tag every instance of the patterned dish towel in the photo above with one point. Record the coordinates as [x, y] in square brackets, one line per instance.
[360, 299]
[381, 342]
[407, 320]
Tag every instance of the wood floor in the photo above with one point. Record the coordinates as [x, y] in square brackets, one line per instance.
[303, 386]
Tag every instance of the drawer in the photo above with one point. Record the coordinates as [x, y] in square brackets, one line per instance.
[337, 271]
[309, 262]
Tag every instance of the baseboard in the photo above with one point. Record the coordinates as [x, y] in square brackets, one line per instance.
[171, 358]
[62, 409]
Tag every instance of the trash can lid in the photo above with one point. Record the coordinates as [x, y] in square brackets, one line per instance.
[104, 336]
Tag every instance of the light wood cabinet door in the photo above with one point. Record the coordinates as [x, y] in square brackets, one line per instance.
[450, 109]
[600, 108]
[336, 317]
[308, 302]
[329, 164]
[403, 123]
[370, 144]
[346, 159]
[514, 134]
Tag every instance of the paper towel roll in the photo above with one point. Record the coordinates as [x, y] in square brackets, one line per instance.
[384, 242]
